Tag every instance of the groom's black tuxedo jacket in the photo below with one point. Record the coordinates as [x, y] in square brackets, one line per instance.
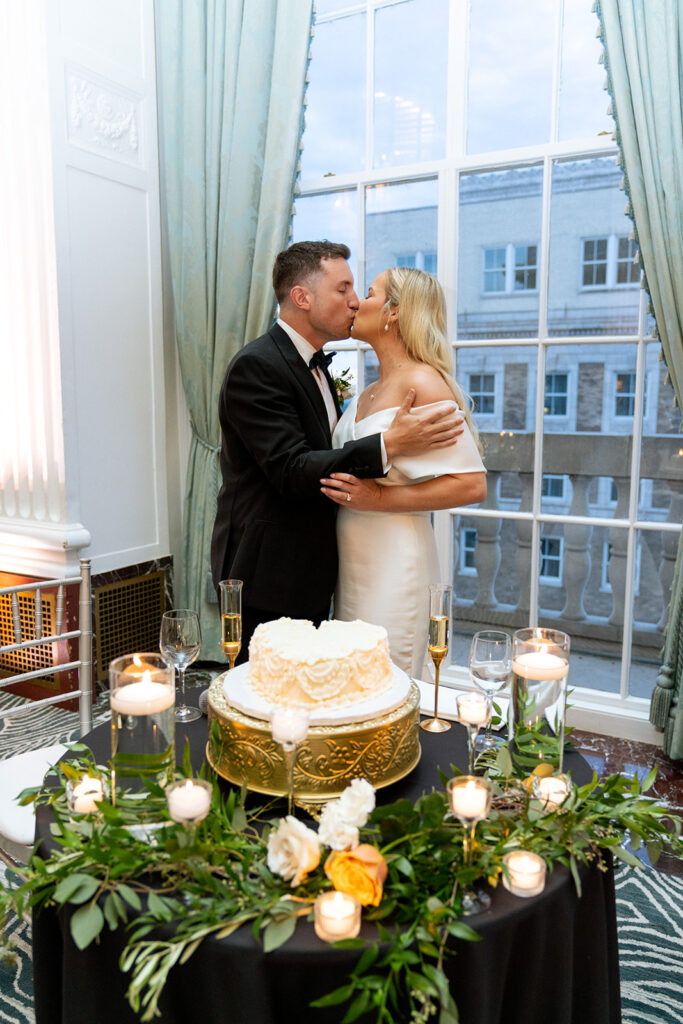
[274, 529]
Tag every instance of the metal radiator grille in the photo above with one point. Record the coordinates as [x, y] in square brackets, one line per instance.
[127, 618]
[34, 657]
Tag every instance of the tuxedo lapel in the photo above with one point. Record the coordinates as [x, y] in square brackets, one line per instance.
[303, 375]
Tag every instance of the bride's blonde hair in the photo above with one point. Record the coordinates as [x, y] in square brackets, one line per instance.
[422, 326]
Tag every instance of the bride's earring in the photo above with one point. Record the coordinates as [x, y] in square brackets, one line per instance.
[386, 326]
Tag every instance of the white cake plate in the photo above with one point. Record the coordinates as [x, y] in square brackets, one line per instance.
[239, 693]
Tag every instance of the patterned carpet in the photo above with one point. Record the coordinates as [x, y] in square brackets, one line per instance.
[649, 908]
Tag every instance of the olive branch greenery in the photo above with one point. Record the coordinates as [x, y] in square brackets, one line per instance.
[129, 866]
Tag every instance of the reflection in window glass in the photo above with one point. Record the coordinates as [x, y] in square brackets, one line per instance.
[551, 560]
[482, 390]
[583, 102]
[556, 393]
[510, 73]
[500, 225]
[591, 290]
[411, 44]
[331, 216]
[334, 138]
[400, 223]
[625, 394]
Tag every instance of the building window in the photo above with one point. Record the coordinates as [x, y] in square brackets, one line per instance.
[627, 271]
[551, 560]
[606, 559]
[556, 394]
[510, 268]
[482, 391]
[552, 486]
[418, 261]
[608, 262]
[468, 544]
[625, 394]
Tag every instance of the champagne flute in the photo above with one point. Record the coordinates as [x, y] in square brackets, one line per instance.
[490, 668]
[231, 619]
[439, 619]
[180, 642]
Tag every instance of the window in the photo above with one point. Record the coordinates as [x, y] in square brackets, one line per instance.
[552, 486]
[556, 394]
[468, 544]
[625, 394]
[609, 262]
[512, 181]
[482, 389]
[510, 268]
[551, 560]
[607, 558]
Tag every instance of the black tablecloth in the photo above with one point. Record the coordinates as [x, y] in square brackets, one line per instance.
[552, 959]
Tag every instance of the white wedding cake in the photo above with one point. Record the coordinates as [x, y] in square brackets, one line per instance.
[339, 664]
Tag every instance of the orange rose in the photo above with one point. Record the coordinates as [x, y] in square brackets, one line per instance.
[360, 873]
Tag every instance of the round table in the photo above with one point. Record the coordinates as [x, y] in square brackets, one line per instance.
[551, 959]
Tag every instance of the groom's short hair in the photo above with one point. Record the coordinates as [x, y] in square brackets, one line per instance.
[301, 261]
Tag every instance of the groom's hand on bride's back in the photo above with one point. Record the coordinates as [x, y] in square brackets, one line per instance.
[416, 430]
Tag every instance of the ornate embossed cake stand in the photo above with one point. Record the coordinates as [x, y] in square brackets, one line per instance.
[381, 749]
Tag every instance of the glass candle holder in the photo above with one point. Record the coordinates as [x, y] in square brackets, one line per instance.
[84, 794]
[189, 800]
[473, 712]
[142, 720]
[525, 873]
[540, 666]
[551, 790]
[470, 800]
[336, 916]
[289, 727]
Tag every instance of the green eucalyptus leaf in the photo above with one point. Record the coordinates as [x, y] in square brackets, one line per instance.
[76, 888]
[340, 995]
[277, 932]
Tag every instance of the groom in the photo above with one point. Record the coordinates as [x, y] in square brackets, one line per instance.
[278, 408]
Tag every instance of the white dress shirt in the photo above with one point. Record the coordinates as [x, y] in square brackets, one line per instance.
[306, 351]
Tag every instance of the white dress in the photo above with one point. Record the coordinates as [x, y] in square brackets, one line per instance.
[388, 559]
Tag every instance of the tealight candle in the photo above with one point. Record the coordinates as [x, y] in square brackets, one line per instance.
[473, 708]
[470, 797]
[142, 698]
[337, 916]
[552, 790]
[289, 725]
[526, 872]
[189, 801]
[83, 796]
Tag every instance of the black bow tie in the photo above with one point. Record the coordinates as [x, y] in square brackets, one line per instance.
[321, 359]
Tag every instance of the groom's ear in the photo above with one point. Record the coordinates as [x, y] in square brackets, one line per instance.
[300, 297]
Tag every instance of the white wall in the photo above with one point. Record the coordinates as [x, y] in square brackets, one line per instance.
[105, 176]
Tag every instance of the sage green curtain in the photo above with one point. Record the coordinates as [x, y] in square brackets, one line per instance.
[231, 81]
[643, 42]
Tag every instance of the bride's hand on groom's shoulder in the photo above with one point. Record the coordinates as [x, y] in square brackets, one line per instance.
[345, 489]
[416, 430]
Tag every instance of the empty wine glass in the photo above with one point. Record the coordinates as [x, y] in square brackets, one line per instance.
[180, 641]
[490, 668]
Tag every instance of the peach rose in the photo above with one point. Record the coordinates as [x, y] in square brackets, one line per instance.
[360, 873]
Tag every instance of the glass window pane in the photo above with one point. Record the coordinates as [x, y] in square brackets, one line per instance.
[510, 73]
[332, 216]
[583, 389]
[334, 137]
[587, 220]
[655, 561]
[400, 224]
[661, 456]
[411, 46]
[500, 228]
[583, 102]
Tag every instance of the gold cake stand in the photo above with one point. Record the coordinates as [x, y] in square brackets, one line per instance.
[382, 750]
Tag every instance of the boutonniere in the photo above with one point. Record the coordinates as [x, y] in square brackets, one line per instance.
[343, 385]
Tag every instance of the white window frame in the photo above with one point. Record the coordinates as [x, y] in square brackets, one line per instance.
[612, 262]
[565, 394]
[553, 478]
[467, 570]
[493, 394]
[616, 713]
[509, 269]
[543, 579]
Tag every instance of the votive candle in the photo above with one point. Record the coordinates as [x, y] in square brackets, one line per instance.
[470, 797]
[473, 708]
[289, 725]
[336, 916]
[83, 796]
[189, 801]
[552, 790]
[526, 872]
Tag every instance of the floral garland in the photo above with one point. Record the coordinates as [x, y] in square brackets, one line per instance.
[403, 862]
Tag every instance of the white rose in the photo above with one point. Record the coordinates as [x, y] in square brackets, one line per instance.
[356, 802]
[334, 830]
[293, 850]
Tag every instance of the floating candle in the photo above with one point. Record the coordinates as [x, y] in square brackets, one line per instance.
[142, 698]
[540, 665]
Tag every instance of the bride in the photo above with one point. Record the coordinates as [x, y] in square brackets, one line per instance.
[387, 551]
